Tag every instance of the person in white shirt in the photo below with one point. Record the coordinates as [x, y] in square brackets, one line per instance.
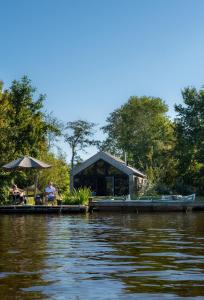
[50, 193]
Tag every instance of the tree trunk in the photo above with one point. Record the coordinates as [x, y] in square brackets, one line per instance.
[72, 159]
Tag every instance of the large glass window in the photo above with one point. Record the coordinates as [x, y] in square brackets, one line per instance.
[103, 179]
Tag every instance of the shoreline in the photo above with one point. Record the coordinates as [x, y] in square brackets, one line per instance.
[107, 206]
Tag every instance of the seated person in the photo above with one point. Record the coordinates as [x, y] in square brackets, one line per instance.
[50, 193]
[17, 194]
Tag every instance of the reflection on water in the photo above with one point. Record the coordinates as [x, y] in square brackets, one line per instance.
[102, 256]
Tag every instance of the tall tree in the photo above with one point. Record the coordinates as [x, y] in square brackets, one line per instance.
[142, 129]
[28, 129]
[190, 142]
[79, 135]
[5, 129]
[54, 130]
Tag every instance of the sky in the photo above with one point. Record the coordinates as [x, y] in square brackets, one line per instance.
[90, 56]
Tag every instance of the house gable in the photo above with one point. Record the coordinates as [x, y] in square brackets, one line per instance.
[115, 162]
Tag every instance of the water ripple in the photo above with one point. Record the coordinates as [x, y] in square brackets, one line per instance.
[102, 257]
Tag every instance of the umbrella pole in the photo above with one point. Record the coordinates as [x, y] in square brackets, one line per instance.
[26, 190]
[36, 183]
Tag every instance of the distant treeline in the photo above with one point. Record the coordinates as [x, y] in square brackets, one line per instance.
[170, 152]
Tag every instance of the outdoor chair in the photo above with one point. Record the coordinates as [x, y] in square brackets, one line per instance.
[17, 199]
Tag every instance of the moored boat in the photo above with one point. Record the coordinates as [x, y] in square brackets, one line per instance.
[150, 199]
[148, 204]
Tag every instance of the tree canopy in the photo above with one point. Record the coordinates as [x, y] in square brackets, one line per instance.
[79, 135]
[189, 125]
[170, 152]
[26, 130]
[141, 129]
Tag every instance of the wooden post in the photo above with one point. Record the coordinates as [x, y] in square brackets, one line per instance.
[90, 201]
[131, 184]
[90, 204]
[36, 184]
[71, 181]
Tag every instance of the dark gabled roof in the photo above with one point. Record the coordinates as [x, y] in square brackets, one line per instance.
[112, 160]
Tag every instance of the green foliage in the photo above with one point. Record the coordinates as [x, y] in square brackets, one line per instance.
[5, 130]
[183, 189]
[54, 129]
[189, 129]
[80, 196]
[27, 127]
[141, 129]
[4, 188]
[171, 154]
[163, 189]
[26, 130]
[58, 174]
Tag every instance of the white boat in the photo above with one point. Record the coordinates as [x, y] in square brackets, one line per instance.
[179, 197]
[150, 199]
[171, 198]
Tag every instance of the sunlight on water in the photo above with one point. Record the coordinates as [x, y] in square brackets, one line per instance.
[102, 256]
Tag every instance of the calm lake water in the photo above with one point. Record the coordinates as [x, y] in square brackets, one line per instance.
[102, 256]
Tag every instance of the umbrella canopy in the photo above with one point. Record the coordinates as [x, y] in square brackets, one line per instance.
[25, 162]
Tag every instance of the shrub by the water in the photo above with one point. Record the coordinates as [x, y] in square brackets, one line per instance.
[183, 189]
[4, 195]
[5, 184]
[79, 196]
[163, 189]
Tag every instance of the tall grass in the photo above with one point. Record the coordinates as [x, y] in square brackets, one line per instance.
[78, 197]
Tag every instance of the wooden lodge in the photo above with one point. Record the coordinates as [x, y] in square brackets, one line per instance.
[107, 175]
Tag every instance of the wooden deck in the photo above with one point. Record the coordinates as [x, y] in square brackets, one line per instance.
[43, 209]
[144, 206]
[105, 206]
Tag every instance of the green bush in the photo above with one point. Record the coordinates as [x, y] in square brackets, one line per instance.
[78, 197]
[183, 189]
[163, 189]
[5, 184]
[4, 195]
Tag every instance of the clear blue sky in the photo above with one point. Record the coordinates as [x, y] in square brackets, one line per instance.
[89, 56]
